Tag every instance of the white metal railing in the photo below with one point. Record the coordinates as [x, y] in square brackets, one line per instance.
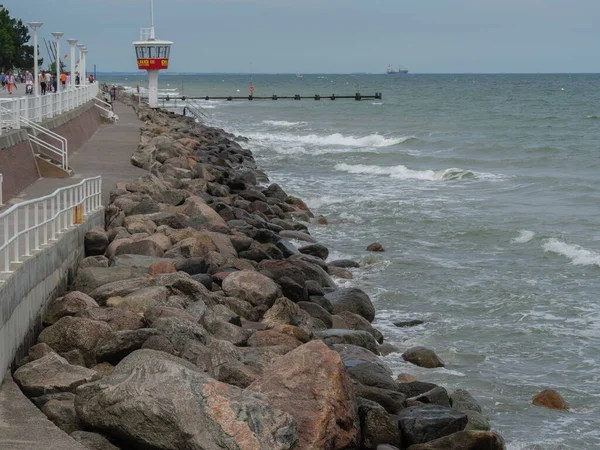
[1, 181]
[26, 226]
[44, 107]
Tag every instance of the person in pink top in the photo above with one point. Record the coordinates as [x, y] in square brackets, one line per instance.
[10, 81]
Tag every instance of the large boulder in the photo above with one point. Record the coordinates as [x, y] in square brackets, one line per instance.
[251, 287]
[95, 241]
[116, 319]
[353, 337]
[285, 312]
[146, 247]
[464, 440]
[158, 401]
[62, 414]
[76, 333]
[91, 278]
[119, 344]
[422, 424]
[550, 398]
[120, 289]
[93, 441]
[310, 384]
[140, 301]
[422, 357]
[354, 300]
[52, 374]
[356, 322]
[204, 216]
[377, 426]
[464, 401]
[69, 305]
[180, 331]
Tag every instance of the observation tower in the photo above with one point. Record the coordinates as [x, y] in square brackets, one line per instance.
[153, 56]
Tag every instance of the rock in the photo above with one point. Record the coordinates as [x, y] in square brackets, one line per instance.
[103, 369]
[356, 322]
[155, 400]
[93, 261]
[354, 300]
[75, 357]
[204, 279]
[267, 338]
[120, 289]
[95, 242]
[415, 388]
[317, 311]
[162, 267]
[422, 424]
[75, 333]
[343, 263]
[549, 398]
[387, 349]
[464, 440]
[43, 399]
[140, 301]
[285, 312]
[354, 353]
[309, 383]
[171, 219]
[297, 235]
[409, 323]
[252, 287]
[39, 351]
[160, 343]
[179, 331]
[197, 208]
[463, 401]
[320, 220]
[93, 441]
[376, 425]
[119, 344]
[69, 305]
[141, 262]
[390, 400]
[115, 318]
[51, 374]
[291, 330]
[146, 247]
[403, 378]
[318, 250]
[93, 277]
[477, 421]
[340, 273]
[438, 396]
[294, 291]
[139, 224]
[237, 374]
[287, 248]
[352, 337]
[369, 374]
[156, 312]
[62, 414]
[375, 247]
[422, 357]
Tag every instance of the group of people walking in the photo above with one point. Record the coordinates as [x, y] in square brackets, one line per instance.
[47, 81]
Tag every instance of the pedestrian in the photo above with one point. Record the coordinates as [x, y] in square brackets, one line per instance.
[113, 94]
[69, 79]
[42, 82]
[3, 80]
[77, 79]
[10, 81]
[28, 83]
[91, 78]
[63, 80]
[48, 81]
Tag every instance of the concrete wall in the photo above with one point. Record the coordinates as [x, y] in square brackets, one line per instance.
[39, 279]
[17, 163]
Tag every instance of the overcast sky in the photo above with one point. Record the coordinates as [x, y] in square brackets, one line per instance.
[334, 36]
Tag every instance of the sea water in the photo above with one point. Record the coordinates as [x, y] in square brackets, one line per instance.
[483, 190]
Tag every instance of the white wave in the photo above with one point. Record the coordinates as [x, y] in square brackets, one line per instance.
[403, 172]
[578, 255]
[373, 140]
[282, 123]
[524, 236]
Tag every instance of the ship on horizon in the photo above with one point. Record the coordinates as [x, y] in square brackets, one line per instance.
[390, 71]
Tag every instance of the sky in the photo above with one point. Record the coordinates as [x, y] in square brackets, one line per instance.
[333, 36]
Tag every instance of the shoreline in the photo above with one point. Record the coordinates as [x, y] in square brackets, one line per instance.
[229, 304]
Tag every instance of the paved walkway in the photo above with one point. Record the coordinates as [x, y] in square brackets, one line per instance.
[107, 153]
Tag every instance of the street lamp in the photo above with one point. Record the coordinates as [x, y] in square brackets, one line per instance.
[85, 52]
[81, 76]
[72, 43]
[35, 26]
[57, 35]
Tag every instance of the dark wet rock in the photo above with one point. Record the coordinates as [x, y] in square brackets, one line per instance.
[352, 337]
[376, 425]
[204, 279]
[296, 292]
[255, 254]
[464, 440]
[421, 424]
[317, 312]
[119, 344]
[314, 288]
[375, 247]
[438, 396]
[155, 400]
[550, 398]
[318, 250]
[463, 401]
[95, 242]
[370, 374]
[354, 300]
[415, 388]
[298, 235]
[387, 349]
[43, 399]
[343, 263]
[287, 248]
[392, 401]
[422, 357]
[160, 343]
[477, 421]
[62, 414]
[409, 323]
[192, 266]
[51, 374]
[356, 322]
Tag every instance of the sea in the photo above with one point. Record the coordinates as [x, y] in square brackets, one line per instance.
[484, 191]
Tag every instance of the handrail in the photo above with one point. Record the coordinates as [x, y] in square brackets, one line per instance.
[65, 207]
[1, 181]
[63, 152]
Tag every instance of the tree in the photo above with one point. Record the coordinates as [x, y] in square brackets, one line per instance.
[15, 53]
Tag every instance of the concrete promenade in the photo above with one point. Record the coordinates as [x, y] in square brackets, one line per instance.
[107, 153]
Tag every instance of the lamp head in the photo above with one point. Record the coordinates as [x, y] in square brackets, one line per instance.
[35, 25]
[58, 34]
[72, 41]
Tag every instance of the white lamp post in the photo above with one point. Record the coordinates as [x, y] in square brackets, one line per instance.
[85, 52]
[35, 26]
[72, 43]
[58, 35]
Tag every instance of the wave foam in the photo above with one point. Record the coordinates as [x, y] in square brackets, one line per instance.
[403, 172]
[578, 255]
[282, 123]
[524, 236]
[373, 140]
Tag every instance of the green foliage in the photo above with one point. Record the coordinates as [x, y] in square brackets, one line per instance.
[14, 51]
